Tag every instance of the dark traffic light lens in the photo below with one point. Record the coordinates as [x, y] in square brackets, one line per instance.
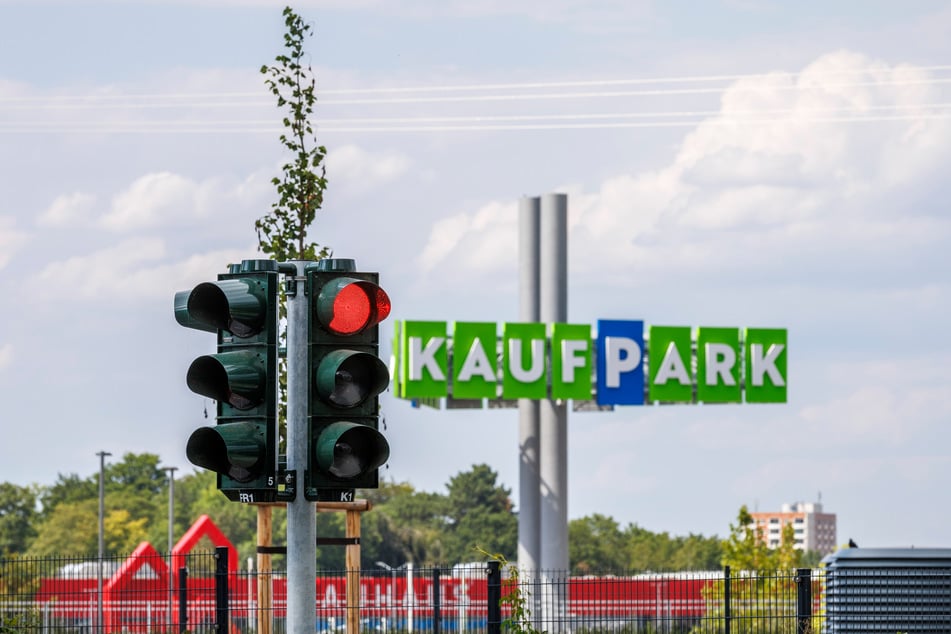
[349, 450]
[347, 378]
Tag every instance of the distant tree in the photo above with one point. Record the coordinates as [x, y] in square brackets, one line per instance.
[69, 528]
[123, 533]
[237, 521]
[761, 579]
[787, 556]
[18, 515]
[406, 526]
[746, 547]
[67, 488]
[68, 524]
[596, 544]
[137, 473]
[480, 514]
[696, 552]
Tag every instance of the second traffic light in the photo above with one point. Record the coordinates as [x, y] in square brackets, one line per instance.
[346, 376]
[241, 307]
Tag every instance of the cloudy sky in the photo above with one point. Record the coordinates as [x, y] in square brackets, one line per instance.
[728, 163]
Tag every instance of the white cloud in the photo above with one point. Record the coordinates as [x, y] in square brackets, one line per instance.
[478, 241]
[354, 170]
[169, 200]
[101, 273]
[843, 406]
[6, 355]
[68, 210]
[10, 239]
[154, 199]
[776, 178]
[132, 270]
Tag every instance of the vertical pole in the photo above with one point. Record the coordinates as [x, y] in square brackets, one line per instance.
[726, 600]
[265, 535]
[529, 477]
[171, 540]
[410, 597]
[394, 609]
[250, 590]
[437, 601]
[301, 513]
[182, 600]
[494, 599]
[222, 624]
[553, 416]
[102, 504]
[803, 600]
[352, 557]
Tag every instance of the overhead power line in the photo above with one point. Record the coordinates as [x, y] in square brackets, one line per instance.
[250, 99]
[580, 118]
[424, 125]
[914, 110]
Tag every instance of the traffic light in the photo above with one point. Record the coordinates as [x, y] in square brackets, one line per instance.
[241, 307]
[346, 375]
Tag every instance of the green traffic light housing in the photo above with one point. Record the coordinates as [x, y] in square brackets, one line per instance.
[241, 307]
[238, 378]
[236, 450]
[349, 450]
[237, 305]
[347, 378]
[346, 448]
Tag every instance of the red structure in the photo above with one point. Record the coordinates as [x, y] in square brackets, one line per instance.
[203, 527]
[142, 582]
[139, 594]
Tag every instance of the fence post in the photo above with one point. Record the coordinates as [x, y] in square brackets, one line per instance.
[726, 600]
[494, 620]
[803, 600]
[221, 589]
[182, 600]
[437, 599]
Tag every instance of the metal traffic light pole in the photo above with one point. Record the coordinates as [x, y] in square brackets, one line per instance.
[301, 513]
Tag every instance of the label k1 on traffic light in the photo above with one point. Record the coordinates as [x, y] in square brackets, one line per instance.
[241, 307]
[345, 446]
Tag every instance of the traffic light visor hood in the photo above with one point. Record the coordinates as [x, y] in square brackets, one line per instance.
[237, 378]
[234, 450]
[237, 305]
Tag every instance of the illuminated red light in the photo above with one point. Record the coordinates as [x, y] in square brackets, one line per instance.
[354, 310]
[382, 304]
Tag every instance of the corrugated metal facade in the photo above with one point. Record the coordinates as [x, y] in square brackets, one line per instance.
[896, 590]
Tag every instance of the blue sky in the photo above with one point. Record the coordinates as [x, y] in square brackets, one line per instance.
[734, 163]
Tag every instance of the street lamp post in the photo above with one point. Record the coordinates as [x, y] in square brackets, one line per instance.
[171, 537]
[102, 465]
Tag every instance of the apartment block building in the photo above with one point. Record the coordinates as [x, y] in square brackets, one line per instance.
[813, 529]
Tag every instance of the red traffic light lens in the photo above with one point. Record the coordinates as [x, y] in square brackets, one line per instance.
[357, 306]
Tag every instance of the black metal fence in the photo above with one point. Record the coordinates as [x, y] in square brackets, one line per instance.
[114, 594]
[149, 593]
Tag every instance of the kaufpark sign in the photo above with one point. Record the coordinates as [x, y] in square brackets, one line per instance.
[624, 363]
